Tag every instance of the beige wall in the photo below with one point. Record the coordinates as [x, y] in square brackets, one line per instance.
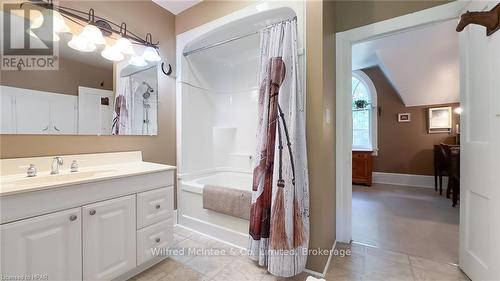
[159, 148]
[404, 148]
[353, 13]
[206, 11]
[65, 80]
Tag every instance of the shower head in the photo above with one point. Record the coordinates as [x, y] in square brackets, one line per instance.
[149, 90]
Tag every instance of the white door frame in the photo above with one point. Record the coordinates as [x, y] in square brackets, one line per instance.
[344, 43]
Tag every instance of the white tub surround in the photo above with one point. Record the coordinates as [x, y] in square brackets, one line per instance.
[99, 223]
[217, 110]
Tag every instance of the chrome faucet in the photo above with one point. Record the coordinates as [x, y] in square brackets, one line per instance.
[56, 162]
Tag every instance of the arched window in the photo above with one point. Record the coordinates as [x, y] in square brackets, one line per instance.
[364, 112]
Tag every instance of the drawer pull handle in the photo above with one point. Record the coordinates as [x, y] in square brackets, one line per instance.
[73, 218]
[92, 212]
[158, 206]
[157, 240]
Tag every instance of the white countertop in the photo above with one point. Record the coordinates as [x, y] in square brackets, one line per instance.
[20, 183]
[93, 168]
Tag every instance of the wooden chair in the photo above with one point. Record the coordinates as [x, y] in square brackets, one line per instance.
[451, 155]
[440, 167]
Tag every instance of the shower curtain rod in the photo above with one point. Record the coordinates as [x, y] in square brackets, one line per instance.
[232, 39]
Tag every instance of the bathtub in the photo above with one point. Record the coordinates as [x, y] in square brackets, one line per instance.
[236, 180]
[190, 205]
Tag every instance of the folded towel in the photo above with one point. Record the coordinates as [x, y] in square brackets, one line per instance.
[229, 201]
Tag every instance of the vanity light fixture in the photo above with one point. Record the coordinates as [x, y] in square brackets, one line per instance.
[95, 29]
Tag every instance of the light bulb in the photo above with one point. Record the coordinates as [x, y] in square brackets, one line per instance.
[459, 110]
[151, 54]
[81, 44]
[125, 46]
[137, 61]
[93, 34]
[112, 54]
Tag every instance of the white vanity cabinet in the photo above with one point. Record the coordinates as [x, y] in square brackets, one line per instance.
[109, 238]
[48, 246]
[91, 229]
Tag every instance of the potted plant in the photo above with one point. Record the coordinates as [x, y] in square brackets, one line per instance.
[361, 104]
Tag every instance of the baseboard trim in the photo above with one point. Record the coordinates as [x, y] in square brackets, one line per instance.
[406, 179]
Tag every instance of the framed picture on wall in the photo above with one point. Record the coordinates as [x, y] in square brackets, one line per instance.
[440, 120]
[404, 117]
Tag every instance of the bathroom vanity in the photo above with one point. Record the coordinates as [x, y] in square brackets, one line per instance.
[99, 223]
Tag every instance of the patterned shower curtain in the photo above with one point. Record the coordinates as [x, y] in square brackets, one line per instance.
[279, 220]
[122, 115]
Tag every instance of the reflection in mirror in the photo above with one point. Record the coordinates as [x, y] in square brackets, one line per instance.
[78, 96]
[136, 101]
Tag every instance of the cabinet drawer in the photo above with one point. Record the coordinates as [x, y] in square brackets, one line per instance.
[159, 235]
[154, 206]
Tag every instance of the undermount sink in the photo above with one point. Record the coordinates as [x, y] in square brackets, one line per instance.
[62, 177]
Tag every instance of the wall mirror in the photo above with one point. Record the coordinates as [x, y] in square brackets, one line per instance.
[85, 95]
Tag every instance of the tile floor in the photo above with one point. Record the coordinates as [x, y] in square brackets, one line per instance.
[410, 220]
[364, 264]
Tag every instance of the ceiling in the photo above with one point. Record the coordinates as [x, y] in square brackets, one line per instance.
[422, 64]
[176, 6]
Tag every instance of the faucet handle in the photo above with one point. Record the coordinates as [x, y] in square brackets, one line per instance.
[31, 170]
[59, 160]
[74, 166]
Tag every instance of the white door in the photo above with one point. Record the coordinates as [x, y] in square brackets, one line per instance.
[63, 114]
[109, 238]
[94, 118]
[48, 246]
[480, 151]
[32, 114]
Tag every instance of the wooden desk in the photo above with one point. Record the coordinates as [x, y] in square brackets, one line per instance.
[362, 167]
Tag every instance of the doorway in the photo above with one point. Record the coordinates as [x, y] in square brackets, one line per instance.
[480, 140]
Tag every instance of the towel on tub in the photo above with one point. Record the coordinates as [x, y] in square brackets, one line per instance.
[228, 201]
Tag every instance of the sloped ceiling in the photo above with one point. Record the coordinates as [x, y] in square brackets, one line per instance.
[422, 64]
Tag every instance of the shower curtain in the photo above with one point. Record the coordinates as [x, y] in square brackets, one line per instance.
[279, 220]
[122, 119]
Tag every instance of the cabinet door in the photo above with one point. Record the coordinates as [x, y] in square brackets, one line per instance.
[48, 246]
[63, 114]
[109, 238]
[32, 114]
